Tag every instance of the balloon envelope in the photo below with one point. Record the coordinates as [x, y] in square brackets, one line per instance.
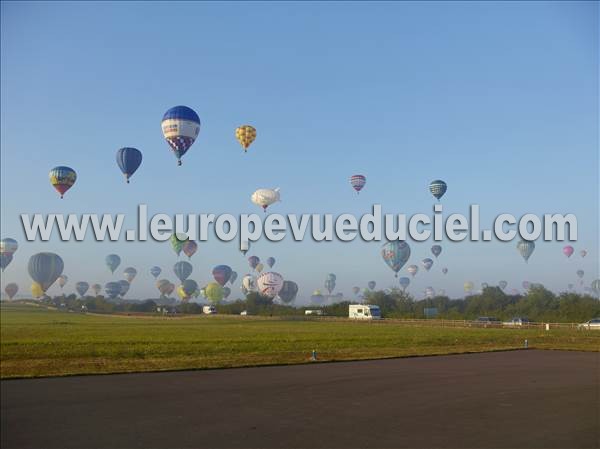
[222, 274]
[288, 292]
[112, 289]
[189, 248]
[436, 250]
[525, 248]
[358, 182]
[45, 268]
[180, 126]
[124, 287]
[214, 292]
[129, 160]
[270, 261]
[371, 285]
[395, 254]
[245, 135]
[11, 290]
[155, 271]
[82, 288]
[62, 179]
[265, 197]
[269, 284]
[8, 246]
[129, 273]
[427, 263]
[112, 262]
[182, 270]
[438, 188]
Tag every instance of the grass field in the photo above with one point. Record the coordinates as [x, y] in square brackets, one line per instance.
[40, 342]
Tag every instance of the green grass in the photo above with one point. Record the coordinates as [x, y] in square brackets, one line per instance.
[39, 342]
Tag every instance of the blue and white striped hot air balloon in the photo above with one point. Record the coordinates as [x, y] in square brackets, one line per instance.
[525, 248]
[180, 126]
[438, 188]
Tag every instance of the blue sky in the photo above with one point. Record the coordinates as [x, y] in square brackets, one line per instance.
[498, 99]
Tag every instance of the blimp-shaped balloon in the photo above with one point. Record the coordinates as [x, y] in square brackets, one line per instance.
[265, 197]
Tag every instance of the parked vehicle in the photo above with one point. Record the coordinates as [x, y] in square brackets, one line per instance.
[486, 321]
[364, 312]
[518, 321]
[209, 310]
[317, 312]
[591, 324]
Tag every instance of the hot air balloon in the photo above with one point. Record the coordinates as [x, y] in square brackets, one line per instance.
[568, 250]
[222, 274]
[580, 273]
[288, 291]
[82, 288]
[445, 270]
[96, 288]
[187, 289]
[248, 284]
[203, 292]
[244, 247]
[177, 242]
[112, 262]
[269, 284]
[438, 188]
[526, 285]
[155, 271]
[329, 285]
[36, 290]
[596, 286]
[180, 126]
[404, 282]
[182, 270]
[62, 280]
[124, 287]
[429, 292]
[332, 276]
[270, 261]
[169, 289]
[358, 182]
[355, 290]
[233, 277]
[214, 292]
[112, 289]
[162, 286]
[128, 160]
[253, 261]
[129, 274]
[412, 270]
[265, 197]
[8, 246]
[502, 284]
[189, 248]
[11, 290]
[525, 249]
[583, 253]
[468, 286]
[484, 285]
[226, 292]
[245, 135]
[259, 268]
[371, 285]
[62, 179]
[45, 268]
[317, 297]
[5, 260]
[395, 254]
[436, 250]
[427, 264]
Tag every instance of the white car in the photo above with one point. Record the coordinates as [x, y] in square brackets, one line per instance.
[591, 324]
[517, 321]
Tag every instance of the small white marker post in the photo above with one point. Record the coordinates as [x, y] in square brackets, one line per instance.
[526, 344]
[314, 355]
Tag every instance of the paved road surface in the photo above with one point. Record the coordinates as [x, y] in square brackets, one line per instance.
[532, 399]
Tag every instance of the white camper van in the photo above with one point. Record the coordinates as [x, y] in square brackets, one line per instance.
[209, 310]
[364, 312]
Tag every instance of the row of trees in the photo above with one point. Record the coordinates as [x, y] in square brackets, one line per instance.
[539, 305]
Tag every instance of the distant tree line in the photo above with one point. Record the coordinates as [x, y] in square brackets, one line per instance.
[539, 304]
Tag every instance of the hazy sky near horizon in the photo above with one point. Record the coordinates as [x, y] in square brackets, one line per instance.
[499, 99]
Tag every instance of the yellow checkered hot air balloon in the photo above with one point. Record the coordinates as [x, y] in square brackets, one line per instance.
[245, 135]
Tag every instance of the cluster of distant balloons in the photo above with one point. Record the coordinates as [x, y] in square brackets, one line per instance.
[181, 127]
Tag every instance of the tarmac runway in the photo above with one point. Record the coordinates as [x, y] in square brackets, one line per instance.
[515, 399]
